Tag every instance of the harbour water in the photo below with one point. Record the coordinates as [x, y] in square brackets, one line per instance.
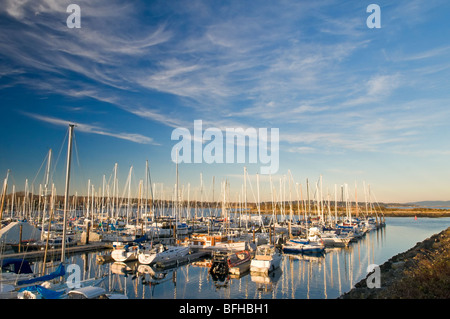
[299, 277]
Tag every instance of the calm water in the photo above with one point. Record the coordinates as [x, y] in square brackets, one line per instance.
[299, 277]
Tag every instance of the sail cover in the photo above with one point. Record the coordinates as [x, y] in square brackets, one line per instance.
[45, 293]
[11, 233]
[16, 265]
[60, 271]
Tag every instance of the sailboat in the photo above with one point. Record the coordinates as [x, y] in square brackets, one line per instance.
[124, 252]
[267, 258]
[161, 253]
[315, 243]
[294, 245]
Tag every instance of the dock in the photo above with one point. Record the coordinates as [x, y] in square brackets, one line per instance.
[56, 252]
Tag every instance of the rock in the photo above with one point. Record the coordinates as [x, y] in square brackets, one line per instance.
[397, 265]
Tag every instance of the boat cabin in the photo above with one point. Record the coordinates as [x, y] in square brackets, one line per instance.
[204, 240]
[264, 252]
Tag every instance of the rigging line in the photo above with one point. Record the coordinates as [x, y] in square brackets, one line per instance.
[83, 176]
[59, 154]
[42, 164]
[151, 187]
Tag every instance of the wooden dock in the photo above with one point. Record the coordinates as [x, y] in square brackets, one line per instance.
[55, 253]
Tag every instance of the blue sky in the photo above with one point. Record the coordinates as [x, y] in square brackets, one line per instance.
[352, 104]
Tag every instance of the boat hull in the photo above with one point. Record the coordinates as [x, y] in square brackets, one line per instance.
[123, 256]
[265, 266]
[169, 255]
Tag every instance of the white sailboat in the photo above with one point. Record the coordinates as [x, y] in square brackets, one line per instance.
[334, 239]
[267, 259]
[161, 253]
[123, 252]
[315, 243]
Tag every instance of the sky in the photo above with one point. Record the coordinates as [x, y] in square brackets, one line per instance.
[353, 105]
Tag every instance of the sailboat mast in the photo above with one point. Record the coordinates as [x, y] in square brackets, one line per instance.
[44, 211]
[66, 193]
[245, 197]
[176, 201]
[5, 186]
[146, 192]
[129, 195]
[335, 204]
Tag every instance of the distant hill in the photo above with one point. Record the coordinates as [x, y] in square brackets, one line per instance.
[431, 203]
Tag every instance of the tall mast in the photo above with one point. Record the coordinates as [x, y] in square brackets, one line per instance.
[114, 193]
[129, 194]
[307, 195]
[146, 191]
[103, 196]
[47, 175]
[88, 204]
[5, 186]
[176, 199]
[12, 200]
[245, 197]
[66, 193]
[335, 204]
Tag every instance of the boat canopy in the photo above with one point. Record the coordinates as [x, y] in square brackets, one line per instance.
[21, 230]
[16, 265]
[141, 239]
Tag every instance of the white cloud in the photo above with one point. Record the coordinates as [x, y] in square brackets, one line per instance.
[91, 129]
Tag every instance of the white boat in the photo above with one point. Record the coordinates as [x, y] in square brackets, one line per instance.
[313, 247]
[14, 270]
[161, 253]
[92, 292]
[124, 253]
[333, 239]
[294, 245]
[266, 259]
[315, 243]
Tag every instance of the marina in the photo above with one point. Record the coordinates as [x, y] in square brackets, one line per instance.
[263, 153]
[299, 276]
[165, 246]
[171, 234]
[139, 247]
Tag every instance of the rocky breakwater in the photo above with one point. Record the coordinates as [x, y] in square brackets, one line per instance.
[422, 272]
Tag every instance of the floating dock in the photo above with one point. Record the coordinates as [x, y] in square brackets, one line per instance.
[56, 252]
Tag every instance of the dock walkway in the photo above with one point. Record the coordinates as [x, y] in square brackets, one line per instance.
[56, 252]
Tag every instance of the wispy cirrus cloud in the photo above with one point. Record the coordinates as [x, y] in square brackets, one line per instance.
[92, 129]
[287, 65]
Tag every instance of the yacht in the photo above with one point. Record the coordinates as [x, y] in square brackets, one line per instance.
[267, 258]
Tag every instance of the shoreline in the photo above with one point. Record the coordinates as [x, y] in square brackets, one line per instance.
[388, 212]
[419, 212]
[422, 272]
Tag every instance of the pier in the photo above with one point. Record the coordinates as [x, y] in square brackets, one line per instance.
[56, 252]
